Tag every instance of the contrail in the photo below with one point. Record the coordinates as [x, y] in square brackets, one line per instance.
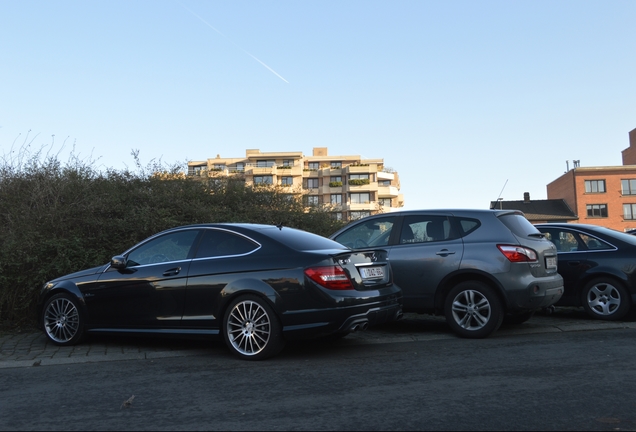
[213, 28]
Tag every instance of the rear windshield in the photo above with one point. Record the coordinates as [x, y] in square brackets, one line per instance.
[519, 225]
[301, 240]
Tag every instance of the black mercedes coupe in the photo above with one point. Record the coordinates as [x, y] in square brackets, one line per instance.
[255, 286]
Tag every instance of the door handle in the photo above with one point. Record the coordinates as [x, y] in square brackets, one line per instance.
[172, 272]
[445, 252]
[574, 263]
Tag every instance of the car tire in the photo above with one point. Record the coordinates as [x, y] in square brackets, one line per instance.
[518, 318]
[473, 310]
[63, 320]
[251, 328]
[606, 299]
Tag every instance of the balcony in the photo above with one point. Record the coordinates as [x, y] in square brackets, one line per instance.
[360, 169]
[385, 176]
[328, 172]
[368, 206]
[253, 170]
[388, 192]
[371, 187]
[282, 170]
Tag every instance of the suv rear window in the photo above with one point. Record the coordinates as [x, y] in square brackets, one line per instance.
[518, 224]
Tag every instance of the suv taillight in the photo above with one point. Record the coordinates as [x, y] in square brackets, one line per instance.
[518, 253]
[330, 277]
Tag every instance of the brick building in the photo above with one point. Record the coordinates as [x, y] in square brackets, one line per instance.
[602, 195]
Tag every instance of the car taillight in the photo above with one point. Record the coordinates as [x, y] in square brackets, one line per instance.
[330, 277]
[518, 253]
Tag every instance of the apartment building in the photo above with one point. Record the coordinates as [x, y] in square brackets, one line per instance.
[601, 195]
[353, 187]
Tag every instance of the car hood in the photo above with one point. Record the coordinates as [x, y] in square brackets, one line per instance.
[87, 272]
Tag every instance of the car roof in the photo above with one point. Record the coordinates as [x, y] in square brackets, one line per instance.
[571, 225]
[456, 211]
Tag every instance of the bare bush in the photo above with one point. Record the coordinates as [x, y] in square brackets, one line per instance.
[56, 218]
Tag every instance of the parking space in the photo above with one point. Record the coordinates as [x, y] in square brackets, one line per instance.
[30, 348]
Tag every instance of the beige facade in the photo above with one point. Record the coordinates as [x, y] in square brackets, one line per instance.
[352, 186]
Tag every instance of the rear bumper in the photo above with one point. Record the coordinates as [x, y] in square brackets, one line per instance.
[540, 293]
[345, 319]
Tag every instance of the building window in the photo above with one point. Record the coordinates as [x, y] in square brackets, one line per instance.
[336, 199]
[240, 167]
[288, 162]
[594, 186]
[218, 167]
[385, 202]
[358, 176]
[337, 216]
[360, 198]
[629, 211]
[287, 181]
[384, 182]
[197, 170]
[336, 165]
[597, 210]
[312, 200]
[313, 166]
[358, 179]
[264, 163]
[354, 215]
[312, 183]
[268, 179]
[335, 181]
[628, 187]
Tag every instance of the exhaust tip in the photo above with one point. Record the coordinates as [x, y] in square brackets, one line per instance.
[364, 326]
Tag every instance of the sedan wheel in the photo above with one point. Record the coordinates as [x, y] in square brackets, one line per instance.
[473, 310]
[251, 329]
[606, 299]
[62, 319]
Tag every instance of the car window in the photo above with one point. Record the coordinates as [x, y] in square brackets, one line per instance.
[174, 246]
[518, 224]
[216, 243]
[425, 228]
[374, 232]
[593, 243]
[468, 225]
[564, 240]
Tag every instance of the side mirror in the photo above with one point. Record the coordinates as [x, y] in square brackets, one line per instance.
[118, 262]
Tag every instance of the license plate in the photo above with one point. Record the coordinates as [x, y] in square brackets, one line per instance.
[372, 272]
[551, 262]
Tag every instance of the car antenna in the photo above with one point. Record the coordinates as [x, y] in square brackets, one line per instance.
[279, 226]
[499, 199]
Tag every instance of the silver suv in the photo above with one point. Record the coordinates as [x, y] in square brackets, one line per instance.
[476, 267]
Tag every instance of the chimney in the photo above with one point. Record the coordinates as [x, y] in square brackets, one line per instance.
[526, 197]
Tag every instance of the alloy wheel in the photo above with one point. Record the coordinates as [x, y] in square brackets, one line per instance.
[248, 328]
[471, 310]
[61, 320]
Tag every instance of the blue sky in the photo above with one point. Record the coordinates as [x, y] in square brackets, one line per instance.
[460, 97]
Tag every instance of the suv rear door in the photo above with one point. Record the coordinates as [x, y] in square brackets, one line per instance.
[425, 251]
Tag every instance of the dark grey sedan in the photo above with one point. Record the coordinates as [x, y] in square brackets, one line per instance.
[598, 266]
[473, 266]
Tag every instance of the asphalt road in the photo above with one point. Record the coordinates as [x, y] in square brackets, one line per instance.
[413, 375]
